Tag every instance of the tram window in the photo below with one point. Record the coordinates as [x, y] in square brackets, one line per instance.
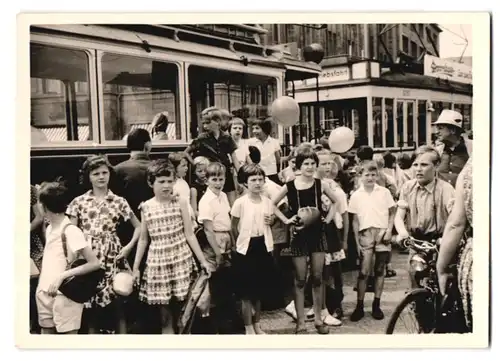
[377, 122]
[60, 105]
[246, 96]
[136, 90]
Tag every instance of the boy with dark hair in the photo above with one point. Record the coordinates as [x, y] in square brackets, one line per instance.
[56, 312]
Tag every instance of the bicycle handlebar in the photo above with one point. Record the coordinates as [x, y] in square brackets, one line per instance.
[419, 244]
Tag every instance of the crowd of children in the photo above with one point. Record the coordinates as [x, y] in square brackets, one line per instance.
[233, 217]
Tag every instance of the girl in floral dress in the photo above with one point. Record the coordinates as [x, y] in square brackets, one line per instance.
[98, 212]
[170, 265]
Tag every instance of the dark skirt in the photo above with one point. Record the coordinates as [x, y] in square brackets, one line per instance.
[308, 240]
[332, 238]
[252, 271]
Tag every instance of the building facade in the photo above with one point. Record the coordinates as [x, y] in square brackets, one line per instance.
[384, 81]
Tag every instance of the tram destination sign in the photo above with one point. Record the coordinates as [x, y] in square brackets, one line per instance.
[447, 69]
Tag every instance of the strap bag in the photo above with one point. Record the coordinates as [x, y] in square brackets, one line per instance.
[79, 288]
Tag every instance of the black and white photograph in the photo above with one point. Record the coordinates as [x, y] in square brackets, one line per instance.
[282, 178]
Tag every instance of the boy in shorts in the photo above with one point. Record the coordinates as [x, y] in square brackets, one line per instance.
[56, 312]
[373, 210]
[214, 215]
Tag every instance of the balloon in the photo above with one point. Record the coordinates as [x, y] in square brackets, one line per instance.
[314, 53]
[341, 140]
[285, 111]
[123, 283]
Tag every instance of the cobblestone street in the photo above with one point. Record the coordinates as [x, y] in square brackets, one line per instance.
[278, 322]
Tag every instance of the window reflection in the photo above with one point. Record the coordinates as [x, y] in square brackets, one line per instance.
[246, 96]
[60, 105]
[136, 91]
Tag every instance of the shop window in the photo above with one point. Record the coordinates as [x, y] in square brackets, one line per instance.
[389, 117]
[422, 122]
[60, 100]
[135, 91]
[377, 118]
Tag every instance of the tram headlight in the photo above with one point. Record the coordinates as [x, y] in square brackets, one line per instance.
[417, 263]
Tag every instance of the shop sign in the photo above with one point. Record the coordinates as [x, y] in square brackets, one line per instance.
[446, 69]
[331, 75]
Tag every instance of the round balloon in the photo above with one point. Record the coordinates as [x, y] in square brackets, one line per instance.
[285, 111]
[341, 140]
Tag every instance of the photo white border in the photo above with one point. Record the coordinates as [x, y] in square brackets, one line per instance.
[481, 129]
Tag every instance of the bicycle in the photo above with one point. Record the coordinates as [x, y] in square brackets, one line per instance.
[430, 311]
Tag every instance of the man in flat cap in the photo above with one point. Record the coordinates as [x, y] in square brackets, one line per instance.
[453, 147]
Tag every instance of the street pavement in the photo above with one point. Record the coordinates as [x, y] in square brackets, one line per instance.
[278, 322]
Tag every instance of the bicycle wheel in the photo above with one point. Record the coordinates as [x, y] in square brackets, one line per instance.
[416, 313]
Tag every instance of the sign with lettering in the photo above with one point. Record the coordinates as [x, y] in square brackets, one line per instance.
[446, 69]
[331, 75]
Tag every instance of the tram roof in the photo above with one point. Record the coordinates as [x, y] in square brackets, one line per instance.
[190, 41]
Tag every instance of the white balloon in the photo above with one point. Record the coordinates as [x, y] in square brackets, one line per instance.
[341, 140]
[285, 111]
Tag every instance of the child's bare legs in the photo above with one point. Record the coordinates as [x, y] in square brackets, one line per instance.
[300, 266]
[92, 323]
[121, 322]
[48, 331]
[246, 310]
[167, 324]
[379, 270]
[256, 318]
[317, 265]
[366, 267]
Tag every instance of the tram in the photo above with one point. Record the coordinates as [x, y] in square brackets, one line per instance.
[92, 84]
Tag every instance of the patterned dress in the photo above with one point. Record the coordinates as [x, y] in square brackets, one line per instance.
[465, 252]
[98, 220]
[36, 243]
[170, 266]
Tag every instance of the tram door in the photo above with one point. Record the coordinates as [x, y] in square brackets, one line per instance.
[406, 124]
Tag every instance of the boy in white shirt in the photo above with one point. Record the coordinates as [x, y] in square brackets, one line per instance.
[56, 312]
[373, 210]
[252, 214]
[213, 214]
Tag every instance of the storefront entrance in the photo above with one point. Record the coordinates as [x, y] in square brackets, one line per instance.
[406, 129]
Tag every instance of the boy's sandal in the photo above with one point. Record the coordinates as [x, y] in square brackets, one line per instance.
[390, 273]
[301, 331]
[322, 329]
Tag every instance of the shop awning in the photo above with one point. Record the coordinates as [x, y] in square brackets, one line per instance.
[300, 70]
[419, 81]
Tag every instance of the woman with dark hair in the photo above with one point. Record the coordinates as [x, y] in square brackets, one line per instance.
[98, 212]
